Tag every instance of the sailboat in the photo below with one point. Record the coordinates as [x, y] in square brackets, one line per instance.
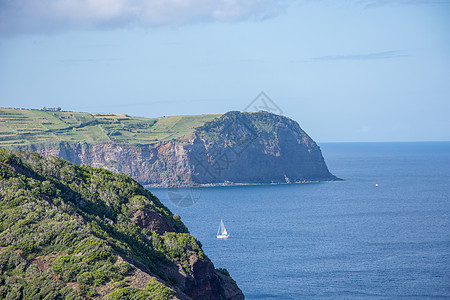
[222, 232]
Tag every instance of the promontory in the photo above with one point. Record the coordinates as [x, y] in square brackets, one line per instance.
[78, 232]
[223, 149]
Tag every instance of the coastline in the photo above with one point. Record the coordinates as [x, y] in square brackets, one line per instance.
[224, 184]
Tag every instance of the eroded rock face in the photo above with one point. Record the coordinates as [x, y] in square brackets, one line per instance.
[204, 282]
[201, 284]
[237, 148]
[227, 287]
[152, 220]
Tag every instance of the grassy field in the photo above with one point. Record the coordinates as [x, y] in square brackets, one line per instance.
[23, 127]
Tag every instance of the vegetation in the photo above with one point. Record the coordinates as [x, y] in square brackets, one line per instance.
[66, 232]
[154, 290]
[223, 271]
[237, 128]
[24, 127]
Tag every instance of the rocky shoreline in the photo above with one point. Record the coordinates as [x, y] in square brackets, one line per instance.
[206, 185]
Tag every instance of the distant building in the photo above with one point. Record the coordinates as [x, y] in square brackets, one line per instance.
[51, 108]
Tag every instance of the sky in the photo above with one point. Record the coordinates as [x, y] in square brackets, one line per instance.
[346, 71]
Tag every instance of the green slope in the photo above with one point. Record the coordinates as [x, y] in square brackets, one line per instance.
[22, 127]
[67, 232]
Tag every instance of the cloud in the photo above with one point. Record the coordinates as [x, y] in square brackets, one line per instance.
[363, 56]
[46, 16]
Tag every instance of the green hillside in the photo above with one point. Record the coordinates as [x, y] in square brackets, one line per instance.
[22, 127]
[67, 232]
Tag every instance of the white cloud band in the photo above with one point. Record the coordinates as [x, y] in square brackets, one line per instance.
[36, 16]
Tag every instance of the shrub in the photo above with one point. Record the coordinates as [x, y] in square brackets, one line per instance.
[85, 278]
[99, 278]
[157, 290]
[223, 271]
[121, 294]
[69, 266]
[125, 268]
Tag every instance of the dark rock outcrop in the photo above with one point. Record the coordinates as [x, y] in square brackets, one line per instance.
[236, 148]
[207, 283]
[151, 220]
[204, 281]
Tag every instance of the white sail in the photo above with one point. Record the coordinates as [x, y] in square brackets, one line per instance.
[221, 228]
[222, 231]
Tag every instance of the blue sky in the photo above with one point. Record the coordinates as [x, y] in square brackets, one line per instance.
[349, 70]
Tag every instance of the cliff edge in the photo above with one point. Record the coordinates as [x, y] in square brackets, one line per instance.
[233, 148]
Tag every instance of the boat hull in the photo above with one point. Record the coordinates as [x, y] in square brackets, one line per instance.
[223, 236]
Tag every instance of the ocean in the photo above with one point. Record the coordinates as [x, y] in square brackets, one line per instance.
[382, 233]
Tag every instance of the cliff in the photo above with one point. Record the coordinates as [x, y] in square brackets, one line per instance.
[234, 148]
[77, 232]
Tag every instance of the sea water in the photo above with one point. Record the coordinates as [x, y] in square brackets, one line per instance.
[383, 232]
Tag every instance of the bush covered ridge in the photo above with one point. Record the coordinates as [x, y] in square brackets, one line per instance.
[262, 124]
[66, 233]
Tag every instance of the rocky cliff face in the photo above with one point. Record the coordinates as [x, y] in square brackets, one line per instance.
[236, 148]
